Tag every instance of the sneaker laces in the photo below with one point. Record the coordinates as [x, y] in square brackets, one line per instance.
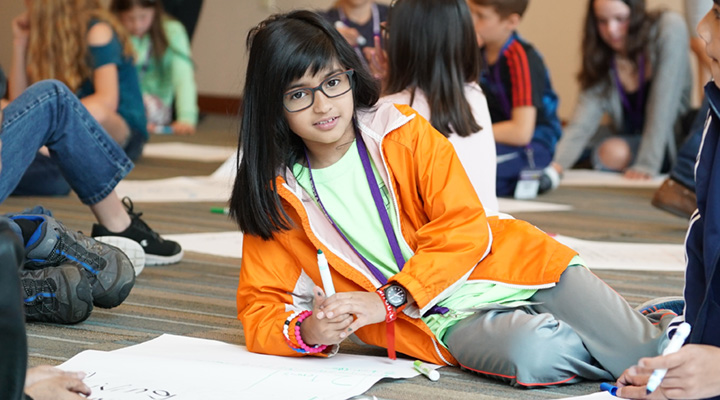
[39, 292]
[76, 252]
[137, 221]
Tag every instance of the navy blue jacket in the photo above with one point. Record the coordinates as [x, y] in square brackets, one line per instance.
[702, 285]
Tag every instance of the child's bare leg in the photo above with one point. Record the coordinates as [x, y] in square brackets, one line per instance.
[111, 213]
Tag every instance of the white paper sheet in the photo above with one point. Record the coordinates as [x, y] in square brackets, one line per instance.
[185, 368]
[594, 396]
[178, 189]
[188, 151]
[627, 256]
[223, 244]
[512, 206]
[588, 177]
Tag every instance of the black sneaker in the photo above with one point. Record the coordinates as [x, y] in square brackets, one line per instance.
[61, 295]
[107, 268]
[157, 250]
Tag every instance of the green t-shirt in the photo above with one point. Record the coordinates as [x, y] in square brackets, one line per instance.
[344, 191]
[173, 77]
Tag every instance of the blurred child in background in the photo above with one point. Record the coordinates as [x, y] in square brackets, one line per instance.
[164, 64]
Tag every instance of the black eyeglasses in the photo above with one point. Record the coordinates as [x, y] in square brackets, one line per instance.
[336, 85]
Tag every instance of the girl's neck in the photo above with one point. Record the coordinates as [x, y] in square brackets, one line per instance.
[358, 14]
[323, 156]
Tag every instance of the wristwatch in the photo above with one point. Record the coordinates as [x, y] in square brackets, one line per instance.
[395, 295]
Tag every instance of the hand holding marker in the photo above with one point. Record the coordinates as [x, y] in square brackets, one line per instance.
[360, 40]
[675, 344]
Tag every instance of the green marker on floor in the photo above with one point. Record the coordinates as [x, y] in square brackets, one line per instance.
[220, 210]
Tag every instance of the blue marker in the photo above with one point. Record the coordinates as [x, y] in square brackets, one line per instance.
[675, 344]
[607, 387]
[163, 130]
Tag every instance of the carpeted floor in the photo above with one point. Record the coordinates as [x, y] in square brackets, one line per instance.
[197, 296]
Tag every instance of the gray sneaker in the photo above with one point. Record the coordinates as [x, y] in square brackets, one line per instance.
[61, 295]
[107, 268]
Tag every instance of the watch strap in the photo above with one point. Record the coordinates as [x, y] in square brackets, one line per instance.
[390, 317]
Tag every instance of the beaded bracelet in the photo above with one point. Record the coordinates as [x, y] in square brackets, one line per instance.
[286, 333]
[298, 337]
[296, 333]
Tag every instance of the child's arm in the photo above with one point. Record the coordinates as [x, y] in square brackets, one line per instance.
[588, 114]
[272, 286]
[18, 71]
[693, 373]
[105, 77]
[671, 67]
[527, 85]
[519, 129]
[182, 71]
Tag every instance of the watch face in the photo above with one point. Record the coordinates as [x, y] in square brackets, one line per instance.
[395, 295]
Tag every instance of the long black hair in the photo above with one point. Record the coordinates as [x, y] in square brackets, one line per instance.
[432, 46]
[597, 55]
[283, 48]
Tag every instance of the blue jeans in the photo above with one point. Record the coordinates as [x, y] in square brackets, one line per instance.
[49, 114]
[683, 170]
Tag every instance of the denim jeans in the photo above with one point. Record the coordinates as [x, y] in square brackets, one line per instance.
[683, 170]
[49, 114]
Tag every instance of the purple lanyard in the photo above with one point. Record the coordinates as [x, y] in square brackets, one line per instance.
[376, 26]
[636, 111]
[494, 77]
[379, 204]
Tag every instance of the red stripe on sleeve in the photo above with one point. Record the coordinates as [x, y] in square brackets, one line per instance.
[519, 75]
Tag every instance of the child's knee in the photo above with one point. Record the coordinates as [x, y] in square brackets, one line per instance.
[614, 154]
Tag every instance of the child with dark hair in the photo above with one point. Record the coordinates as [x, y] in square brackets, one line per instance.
[694, 371]
[444, 91]
[636, 69]
[164, 64]
[326, 174]
[523, 104]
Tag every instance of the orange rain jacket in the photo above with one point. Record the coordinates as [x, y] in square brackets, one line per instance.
[441, 219]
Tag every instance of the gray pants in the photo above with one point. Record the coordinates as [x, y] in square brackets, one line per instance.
[579, 329]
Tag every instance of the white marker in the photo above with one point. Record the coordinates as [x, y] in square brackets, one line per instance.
[361, 41]
[675, 344]
[425, 370]
[325, 274]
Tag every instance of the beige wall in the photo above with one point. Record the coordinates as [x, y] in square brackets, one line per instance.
[554, 26]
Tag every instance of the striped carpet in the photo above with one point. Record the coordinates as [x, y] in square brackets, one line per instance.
[196, 297]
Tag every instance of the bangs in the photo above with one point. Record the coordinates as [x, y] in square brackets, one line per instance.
[309, 55]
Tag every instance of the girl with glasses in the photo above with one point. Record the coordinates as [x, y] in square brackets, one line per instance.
[331, 181]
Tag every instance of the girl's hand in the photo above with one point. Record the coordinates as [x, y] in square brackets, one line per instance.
[377, 60]
[367, 307]
[182, 128]
[636, 175]
[21, 29]
[351, 35]
[324, 330]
